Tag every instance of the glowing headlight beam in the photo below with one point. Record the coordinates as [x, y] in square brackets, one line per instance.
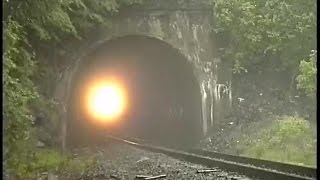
[106, 102]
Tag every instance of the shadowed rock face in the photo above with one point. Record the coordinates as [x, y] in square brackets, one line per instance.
[164, 95]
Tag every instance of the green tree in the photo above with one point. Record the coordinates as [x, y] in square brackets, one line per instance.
[274, 33]
[19, 90]
[29, 24]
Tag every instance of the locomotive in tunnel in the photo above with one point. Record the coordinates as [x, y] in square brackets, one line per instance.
[160, 93]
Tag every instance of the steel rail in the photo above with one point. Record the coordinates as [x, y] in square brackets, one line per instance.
[227, 162]
[283, 167]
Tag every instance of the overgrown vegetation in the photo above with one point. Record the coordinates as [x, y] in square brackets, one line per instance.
[272, 37]
[288, 139]
[51, 161]
[307, 79]
[260, 34]
[29, 24]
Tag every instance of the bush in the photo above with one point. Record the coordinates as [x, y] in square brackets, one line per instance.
[307, 78]
[289, 140]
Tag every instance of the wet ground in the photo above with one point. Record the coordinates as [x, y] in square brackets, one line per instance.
[120, 161]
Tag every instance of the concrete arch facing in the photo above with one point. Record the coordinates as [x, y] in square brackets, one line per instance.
[163, 90]
[186, 26]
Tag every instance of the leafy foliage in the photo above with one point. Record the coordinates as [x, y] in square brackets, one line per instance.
[281, 141]
[275, 33]
[30, 24]
[307, 79]
[263, 36]
[18, 92]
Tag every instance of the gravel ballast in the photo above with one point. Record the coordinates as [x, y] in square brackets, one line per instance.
[121, 161]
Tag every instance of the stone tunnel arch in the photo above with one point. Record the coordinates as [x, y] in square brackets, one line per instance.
[161, 83]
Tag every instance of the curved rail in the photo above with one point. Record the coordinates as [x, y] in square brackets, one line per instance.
[250, 167]
[288, 168]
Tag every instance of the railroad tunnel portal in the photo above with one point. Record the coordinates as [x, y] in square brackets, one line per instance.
[186, 26]
[164, 99]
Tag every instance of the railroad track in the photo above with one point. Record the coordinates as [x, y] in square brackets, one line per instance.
[254, 168]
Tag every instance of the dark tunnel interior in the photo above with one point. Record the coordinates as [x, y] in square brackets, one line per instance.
[164, 101]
